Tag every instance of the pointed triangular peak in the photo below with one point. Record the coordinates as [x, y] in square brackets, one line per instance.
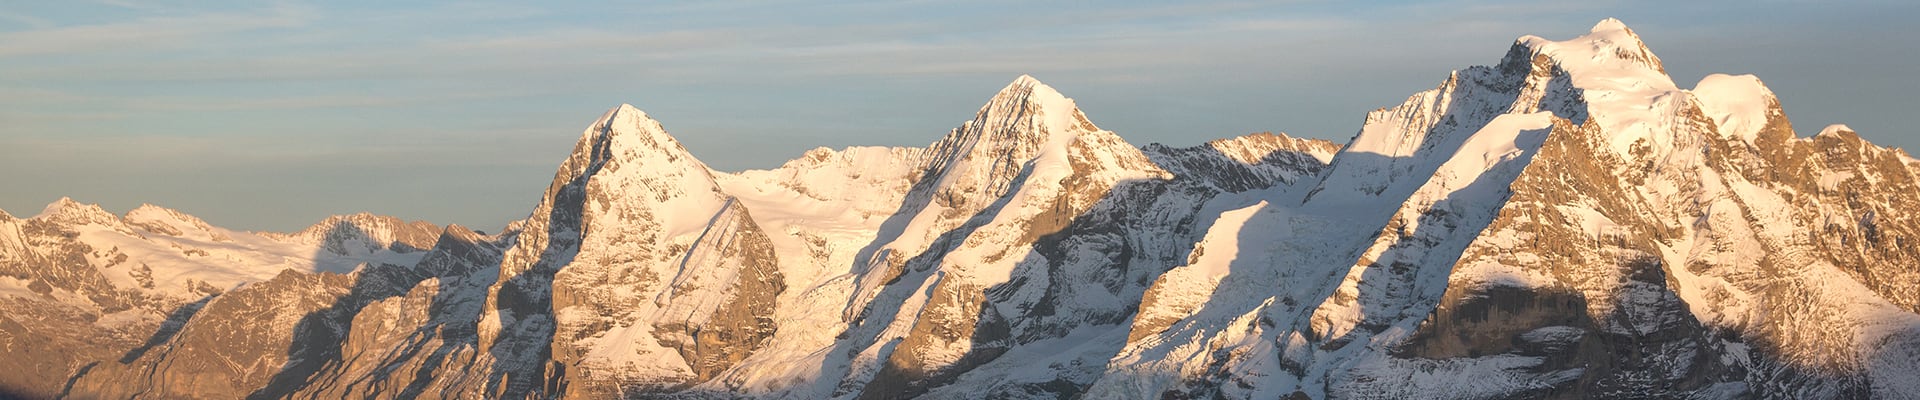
[1024, 120]
[625, 131]
[625, 160]
[1028, 103]
[456, 233]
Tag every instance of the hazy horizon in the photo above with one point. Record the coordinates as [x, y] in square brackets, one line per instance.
[272, 117]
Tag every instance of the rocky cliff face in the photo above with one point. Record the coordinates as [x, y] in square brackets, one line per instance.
[1567, 223]
[89, 292]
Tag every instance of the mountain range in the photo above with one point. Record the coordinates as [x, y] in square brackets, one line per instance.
[1565, 223]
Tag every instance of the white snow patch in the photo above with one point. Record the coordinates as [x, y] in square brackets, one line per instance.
[1831, 180]
[1737, 103]
[1834, 130]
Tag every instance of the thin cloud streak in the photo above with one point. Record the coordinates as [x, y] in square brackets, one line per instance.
[145, 34]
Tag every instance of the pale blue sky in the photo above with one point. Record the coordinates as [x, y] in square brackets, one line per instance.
[272, 115]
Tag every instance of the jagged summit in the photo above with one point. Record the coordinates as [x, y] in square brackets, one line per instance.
[345, 234]
[1027, 100]
[627, 129]
[59, 205]
[625, 153]
[1024, 121]
[66, 210]
[627, 139]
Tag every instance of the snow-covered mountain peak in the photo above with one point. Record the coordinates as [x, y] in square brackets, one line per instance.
[1610, 24]
[1027, 100]
[170, 222]
[626, 178]
[629, 127]
[67, 211]
[462, 233]
[148, 212]
[1610, 44]
[1739, 104]
[1027, 122]
[1836, 130]
[626, 134]
[1622, 83]
[625, 154]
[349, 234]
[1025, 79]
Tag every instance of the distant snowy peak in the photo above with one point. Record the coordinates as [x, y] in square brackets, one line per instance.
[364, 233]
[170, 222]
[1255, 161]
[1836, 130]
[67, 211]
[1259, 147]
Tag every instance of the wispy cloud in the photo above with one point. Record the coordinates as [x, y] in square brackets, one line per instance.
[29, 22]
[146, 34]
[305, 102]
